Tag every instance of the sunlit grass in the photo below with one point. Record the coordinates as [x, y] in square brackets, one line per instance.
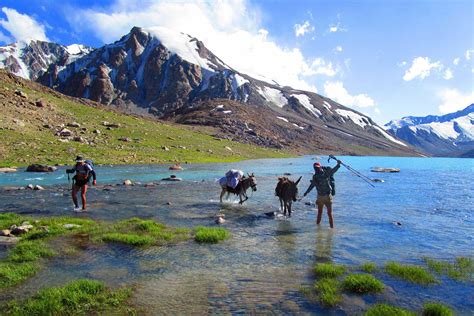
[387, 310]
[328, 270]
[411, 273]
[210, 234]
[362, 284]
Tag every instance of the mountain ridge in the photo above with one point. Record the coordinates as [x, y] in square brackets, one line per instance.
[166, 74]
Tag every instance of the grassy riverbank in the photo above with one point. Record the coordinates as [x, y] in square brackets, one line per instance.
[27, 133]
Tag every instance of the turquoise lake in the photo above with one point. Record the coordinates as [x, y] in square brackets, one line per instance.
[262, 267]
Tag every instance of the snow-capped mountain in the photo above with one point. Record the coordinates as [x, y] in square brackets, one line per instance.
[173, 76]
[31, 60]
[447, 135]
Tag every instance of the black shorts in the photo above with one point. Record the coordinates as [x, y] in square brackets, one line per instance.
[81, 183]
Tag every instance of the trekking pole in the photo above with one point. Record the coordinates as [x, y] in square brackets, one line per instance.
[355, 172]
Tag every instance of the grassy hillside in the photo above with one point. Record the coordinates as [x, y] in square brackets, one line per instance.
[27, 133]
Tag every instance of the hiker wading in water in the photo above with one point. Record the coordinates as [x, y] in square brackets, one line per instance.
[83, 171]
[324, 182]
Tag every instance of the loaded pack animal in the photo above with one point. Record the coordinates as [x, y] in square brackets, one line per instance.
[287, 192]
[241, 188]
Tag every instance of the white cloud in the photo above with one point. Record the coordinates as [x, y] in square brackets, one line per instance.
[302, 29]
[338, 49]
[453, 100]
[448, 74]
[333, 28]
[421, 67]
[320, 67]
[456, 61]
[377, 111]
[230, 29]
[468, 54]
[22, 27]
[336, 91]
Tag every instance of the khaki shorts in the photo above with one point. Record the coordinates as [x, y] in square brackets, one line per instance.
[324, 200]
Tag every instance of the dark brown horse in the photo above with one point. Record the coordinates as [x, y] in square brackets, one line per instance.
[241, 188]
[287, 192]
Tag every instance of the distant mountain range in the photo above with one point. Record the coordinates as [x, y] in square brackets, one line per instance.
[450, 135]
[173, 76]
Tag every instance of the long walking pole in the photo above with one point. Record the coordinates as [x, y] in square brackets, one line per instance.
[355, 172]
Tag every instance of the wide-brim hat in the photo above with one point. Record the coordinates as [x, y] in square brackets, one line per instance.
[79, 159]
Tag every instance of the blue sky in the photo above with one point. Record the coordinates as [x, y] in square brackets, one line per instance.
[387, 59]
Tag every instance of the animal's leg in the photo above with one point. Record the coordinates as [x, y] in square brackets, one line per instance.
[281, 205]
[222, 194]
[289, 208]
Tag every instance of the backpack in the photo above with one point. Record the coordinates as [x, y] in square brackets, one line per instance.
[332, 181]
[90, 163]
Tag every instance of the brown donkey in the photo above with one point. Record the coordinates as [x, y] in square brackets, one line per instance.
[241, 188]
[287, 191]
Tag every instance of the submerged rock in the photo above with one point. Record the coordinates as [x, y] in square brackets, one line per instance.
[176, 167]
[172, 178]
[38, 188]
[388, 170]
[128, 182]
[40, 168]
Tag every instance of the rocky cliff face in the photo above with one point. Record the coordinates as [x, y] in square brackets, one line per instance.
[450, 135]
[173, 76]
[31, 60]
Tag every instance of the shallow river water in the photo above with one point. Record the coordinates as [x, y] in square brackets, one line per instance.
[265, 263]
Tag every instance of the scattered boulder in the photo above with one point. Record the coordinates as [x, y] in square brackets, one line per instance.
[128, 182]
[172, 178]
[125, 139]
[79, 139]
[176, 167]
[38, 188]
[165, 148]
[30, 187]
[96, 131]
[8, 170]
[19, 122]
[65, 132]
[5, 232]
[73, 124]
[40, 103]
[111, 125]
[21, 94]
[5, 240]
[228, 148]
[20, 230]
[71, 226]
[220, 219]
[40, 168]
[63, 140]
[168, 203]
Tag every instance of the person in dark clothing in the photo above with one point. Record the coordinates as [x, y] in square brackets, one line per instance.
[322, 181]
[83, 172]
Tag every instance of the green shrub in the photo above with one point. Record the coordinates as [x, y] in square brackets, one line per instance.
[78, 297]
[328, 291]
[210, 234]
[387, 310]
[129, 239]
[362, 284]
[328, 270]
[436, 309]
[414, 274]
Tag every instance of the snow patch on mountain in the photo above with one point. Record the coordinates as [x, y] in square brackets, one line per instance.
[354, 117]
[283, 119]
[327, 106]
[273, 95]
[305, 101]
[13, 53]
[388, 136]
[460, 129]
[181, 44]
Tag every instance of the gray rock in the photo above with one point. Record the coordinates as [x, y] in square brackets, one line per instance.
[79, 139]
[5, 232]
[21, 94]
[65, 133]
[8, 170]
[30, 186]
[20, 230]
[38, 188]
[73, 124]
[71, 226]
[40, 168]
[5, 240]
[128, 182]
[40, 103]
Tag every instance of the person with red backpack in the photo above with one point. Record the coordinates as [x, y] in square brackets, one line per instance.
[83, 172]
[323, 180]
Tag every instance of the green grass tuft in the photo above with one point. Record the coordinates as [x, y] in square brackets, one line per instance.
[368, 267]
[328, 291]
[436, 309]
[414, 274]
[29, 251]
[362, 284]
[387, 310]
[328, 270]
[462, 269]
[129, 239]
[77, 297]
[210, 234]
[14, 273]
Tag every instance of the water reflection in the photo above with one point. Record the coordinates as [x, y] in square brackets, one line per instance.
[324, 244]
